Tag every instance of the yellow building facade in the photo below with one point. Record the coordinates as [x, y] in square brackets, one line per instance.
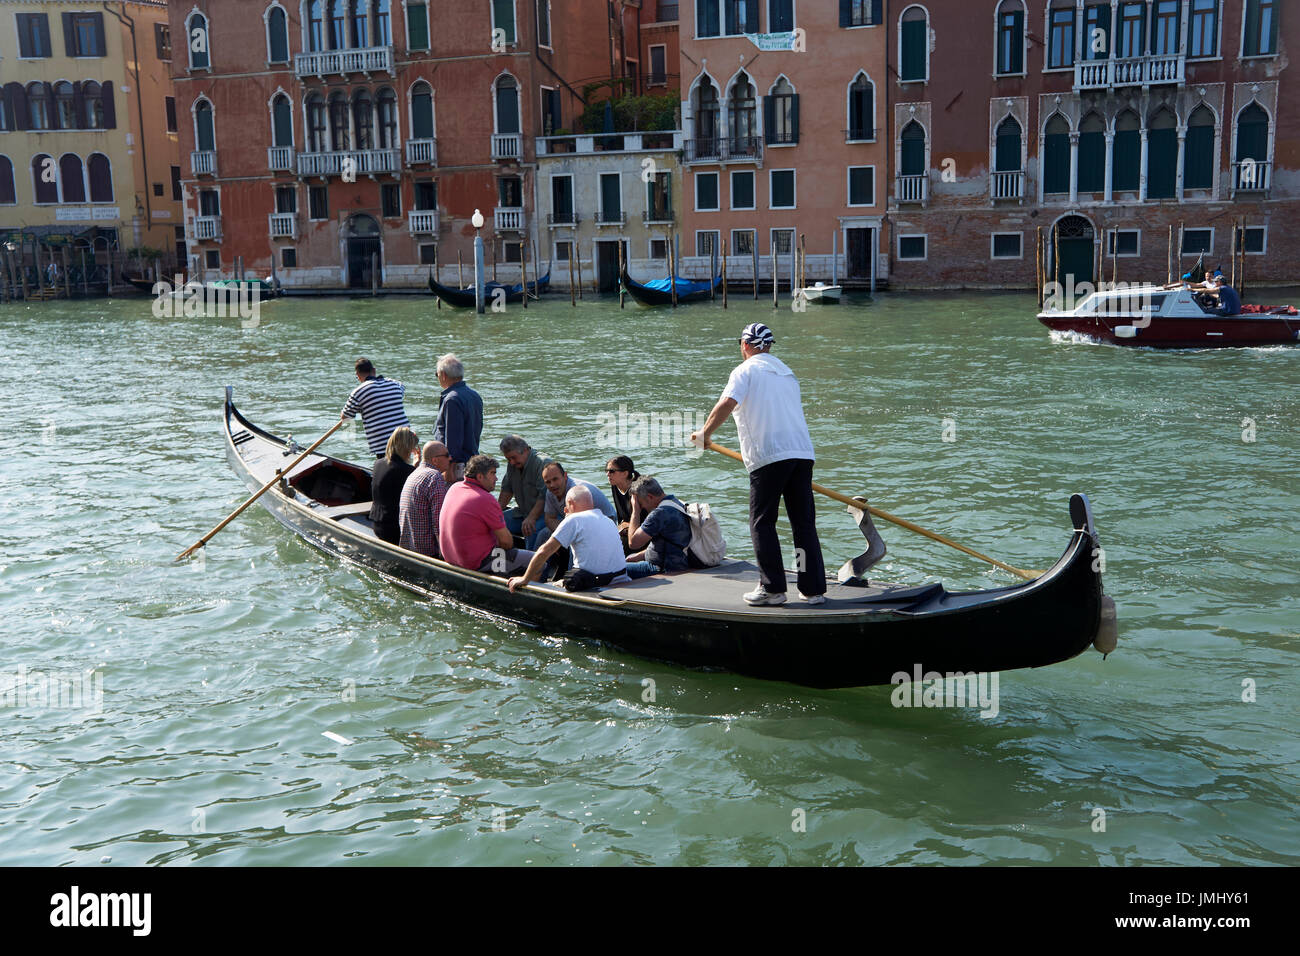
[89, 154]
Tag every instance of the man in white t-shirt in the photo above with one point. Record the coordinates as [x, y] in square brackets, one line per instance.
[597, 549]
[777, 450]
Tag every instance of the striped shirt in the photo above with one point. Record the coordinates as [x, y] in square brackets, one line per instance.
[419, 510]
[379, 401]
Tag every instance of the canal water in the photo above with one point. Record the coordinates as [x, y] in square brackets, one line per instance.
[209, 687]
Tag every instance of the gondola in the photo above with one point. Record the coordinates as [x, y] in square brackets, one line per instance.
[861, 635]
[464, 298]
[141, 285]
[659, 291]
[266, 288]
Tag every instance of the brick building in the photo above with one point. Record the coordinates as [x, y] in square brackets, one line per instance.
[324, 135]
[1108, 122]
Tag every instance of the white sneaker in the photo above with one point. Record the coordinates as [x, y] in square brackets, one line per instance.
[814, 598]
[760, 595]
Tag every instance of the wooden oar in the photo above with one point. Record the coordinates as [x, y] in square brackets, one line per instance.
[902, 522]
[236, 513]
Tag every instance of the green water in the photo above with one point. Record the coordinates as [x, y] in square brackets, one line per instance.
[474, 742]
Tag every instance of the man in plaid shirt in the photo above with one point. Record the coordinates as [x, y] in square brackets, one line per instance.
[421, 501]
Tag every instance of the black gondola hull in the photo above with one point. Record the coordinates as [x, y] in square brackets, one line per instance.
[1041, 622]
[647, 296]
[461, 299]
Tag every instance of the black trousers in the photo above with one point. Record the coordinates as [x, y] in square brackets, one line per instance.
[790, 479]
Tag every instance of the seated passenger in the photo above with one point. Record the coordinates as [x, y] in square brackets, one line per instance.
[421, 502]
[1229, 301]
[558, 484]
[1209, 282]
[471, 529]
[523, 482]
[387, 481]
[593, 539]
[658, 525]
[621, 473]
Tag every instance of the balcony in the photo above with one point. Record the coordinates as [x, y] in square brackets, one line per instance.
[1007, 185]
[364, 162]
[912, 189]
[507, 145]
[562, 218]
[653, 217]
[1250, 176]
[586, 144]
[1130, 71]
[508, 219]
[421, 152]
[207, 227]
[422, 222]
[611, 218]
[282, 225]
[279, 159]
[734, 149]
[323, 63]
[204, 162]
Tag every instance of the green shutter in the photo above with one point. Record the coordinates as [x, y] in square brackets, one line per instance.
[1092, 162]
[1127, 156]
[1056, 163]
[503, 16]
[279, 36]
[1251, 46]
[1198, 158]
[915, 41]
[1162, 163]
[422, 116]
[1018, 42]
[417, 27]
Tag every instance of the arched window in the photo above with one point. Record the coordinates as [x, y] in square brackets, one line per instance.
[1092, 155]
[862, 114]
[72, 178]
[45, 178]
[741, 116]
[281, 121]
[1056, 155]
[911, 160]
[1198, 150]
[781, 113]
[914, 45]
[338, 24]
[1252, 134]
[205, 137]
[1011, 36]
[316, 141]
[507, 105]
[94, 104]
[421, 111]
[363, 110]
[360, 32]
[38, 105]
[706, 117]
[339, 138]
[65, 106]
[196, 30]
[277, 35]
[315, 25]
[383, 32]
[8, 195]
[1007, 146]
[386, 119]
[1126, 153]
[1162, 155]
[100, 174]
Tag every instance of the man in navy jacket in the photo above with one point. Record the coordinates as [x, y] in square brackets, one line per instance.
[460, 414]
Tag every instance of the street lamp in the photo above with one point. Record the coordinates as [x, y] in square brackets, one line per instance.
[477, 221]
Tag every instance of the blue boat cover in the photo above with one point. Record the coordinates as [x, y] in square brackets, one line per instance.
[684, 286]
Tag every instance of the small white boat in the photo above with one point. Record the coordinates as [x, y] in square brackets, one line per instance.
[821, 292]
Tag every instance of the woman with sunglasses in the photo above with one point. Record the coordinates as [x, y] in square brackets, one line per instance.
[621, 473]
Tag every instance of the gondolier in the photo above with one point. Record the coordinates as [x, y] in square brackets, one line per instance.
[764, 395]
[379, 402]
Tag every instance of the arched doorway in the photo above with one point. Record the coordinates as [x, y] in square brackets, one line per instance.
[365, 252]
[1074, 242]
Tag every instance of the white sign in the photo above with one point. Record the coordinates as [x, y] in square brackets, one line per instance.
[71, 214]
[108, 212]
[162, 214]
[773, 41]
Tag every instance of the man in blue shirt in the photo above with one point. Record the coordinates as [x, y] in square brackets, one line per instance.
[460, 414]
[660, 526]
[1229, 301]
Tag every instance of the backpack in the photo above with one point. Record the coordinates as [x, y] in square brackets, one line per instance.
[707, 546]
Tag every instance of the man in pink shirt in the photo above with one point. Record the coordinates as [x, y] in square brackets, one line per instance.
[471, 528]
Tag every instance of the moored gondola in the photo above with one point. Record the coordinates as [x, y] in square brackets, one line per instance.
[660, 291]
[861, 635]
[464, 298]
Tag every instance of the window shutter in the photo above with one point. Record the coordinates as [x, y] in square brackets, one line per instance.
[1018, 41]
[18, 97]
[875, 12]
[1272, 28]
[101, 48]
[769, 120]
[729, 17]
[43, 28]
[846, 12]
[751, 16]
[69, 36]
[794, 118]
[79, 107]
[915, 41]
[417, 27]
[106, 96]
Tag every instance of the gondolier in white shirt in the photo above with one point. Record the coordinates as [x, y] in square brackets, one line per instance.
[379, 401]
[777, 450]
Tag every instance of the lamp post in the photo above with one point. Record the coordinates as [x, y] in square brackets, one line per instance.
[477, 220]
